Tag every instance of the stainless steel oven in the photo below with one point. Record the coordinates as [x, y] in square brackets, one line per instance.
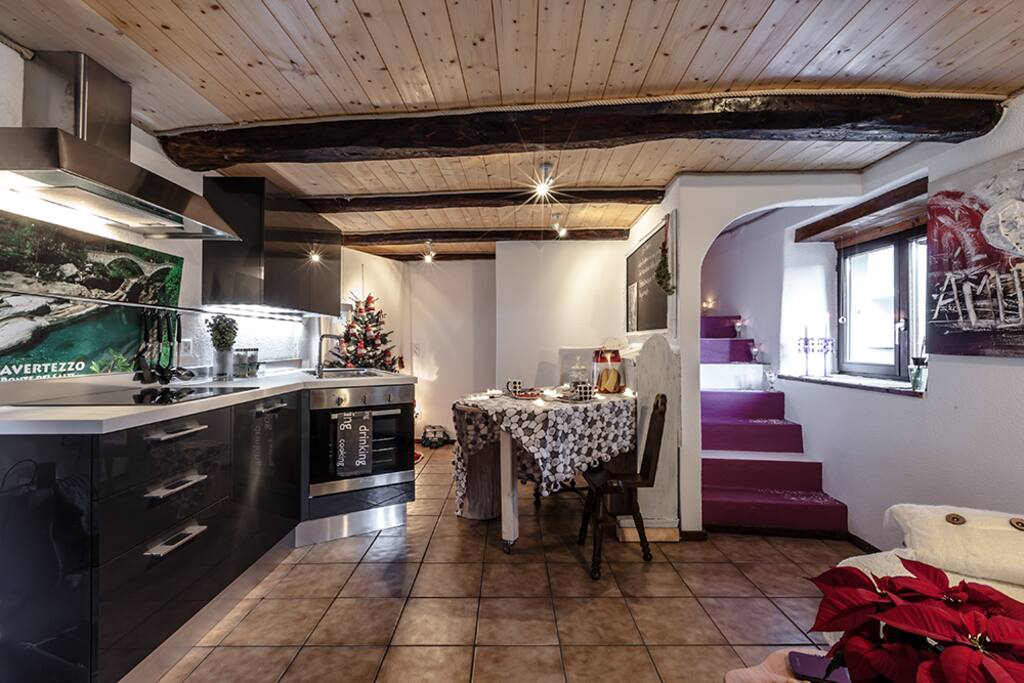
[361, 438]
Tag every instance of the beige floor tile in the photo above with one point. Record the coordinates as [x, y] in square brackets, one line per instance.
[312, 581]
[269, 581]
[434, 479]
[455, 549]
[391, 580]
[516, 580]
[349, 549]
[437, 621]
[358, 621]
[595, 621]
[842, 549]
[613, 664]
[528, 548]
[752, 621]
[516, 621]
[806, 550]
[742, 548]
[562, 548]
[414, 526]
[716, 580]
[227, 623]
[573, 580]
[406, 548]
[503, 664]
[448, 527]
[186, 665]
[648, 579]
[430, 507]
[426, 665]
[673, 621]
[779, 579]
[614, 551]
[692, 551]
[249, 664]
[694, 663]
[460, 580]
[802, 612]
[278, 622]
[318, 664]
[426, 491]
[296, 555]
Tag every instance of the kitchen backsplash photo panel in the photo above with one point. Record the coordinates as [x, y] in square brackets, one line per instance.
[53, 282]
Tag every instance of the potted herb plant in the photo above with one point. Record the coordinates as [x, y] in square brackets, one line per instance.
[223, 331]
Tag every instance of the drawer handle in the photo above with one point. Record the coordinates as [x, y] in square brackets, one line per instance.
[176, 486]
[174, 541]
[267, 410]
[164, 437]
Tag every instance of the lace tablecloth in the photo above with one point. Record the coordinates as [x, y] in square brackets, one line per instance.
[553, 439]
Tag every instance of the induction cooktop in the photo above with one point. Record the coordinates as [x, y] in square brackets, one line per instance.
[142, 396]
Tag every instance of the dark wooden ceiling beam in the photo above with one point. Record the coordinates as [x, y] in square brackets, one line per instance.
[893, 206]
[855, 117]
[484, 199]
[460, 256]
[481, 235]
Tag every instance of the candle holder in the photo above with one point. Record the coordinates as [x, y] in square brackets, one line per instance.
[815, 345]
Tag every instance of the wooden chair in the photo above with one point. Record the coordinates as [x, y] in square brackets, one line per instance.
[603, 483]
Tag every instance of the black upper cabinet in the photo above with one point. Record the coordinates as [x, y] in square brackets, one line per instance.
[288, 256]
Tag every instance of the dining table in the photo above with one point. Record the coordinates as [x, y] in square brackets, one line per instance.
[544, 440]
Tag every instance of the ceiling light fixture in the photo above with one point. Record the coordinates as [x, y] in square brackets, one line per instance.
[314, 256]
[557, 225]
[429, 254]
[545, 181]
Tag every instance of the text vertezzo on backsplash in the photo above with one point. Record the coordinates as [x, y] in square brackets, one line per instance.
[16, 371]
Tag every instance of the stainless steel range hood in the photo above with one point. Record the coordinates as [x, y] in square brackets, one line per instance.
[70, 163]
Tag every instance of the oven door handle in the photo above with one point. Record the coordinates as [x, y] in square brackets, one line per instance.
[385, 413]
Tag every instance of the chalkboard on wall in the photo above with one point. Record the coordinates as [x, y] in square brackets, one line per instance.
[646, 301]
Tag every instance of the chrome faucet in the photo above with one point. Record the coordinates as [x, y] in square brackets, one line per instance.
[320, 352]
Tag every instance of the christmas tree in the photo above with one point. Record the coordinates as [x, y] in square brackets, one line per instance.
[365, 342]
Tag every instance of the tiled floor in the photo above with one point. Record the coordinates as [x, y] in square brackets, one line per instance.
[438, 600]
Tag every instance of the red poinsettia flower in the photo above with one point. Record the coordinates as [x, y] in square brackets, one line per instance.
[850, 599]
[927, 582]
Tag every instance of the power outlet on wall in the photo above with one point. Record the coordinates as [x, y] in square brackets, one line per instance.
[415, 349]
[186, 347]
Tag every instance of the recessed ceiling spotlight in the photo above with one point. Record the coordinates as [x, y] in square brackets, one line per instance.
[429, 254]
[314, 257]
[545, 180]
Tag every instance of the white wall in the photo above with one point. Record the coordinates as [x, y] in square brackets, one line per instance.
[453, 328]
[741, 275]
[552, 294]
[960, 444]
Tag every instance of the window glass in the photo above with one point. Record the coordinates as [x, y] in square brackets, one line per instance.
[918, 295]
[871, 306]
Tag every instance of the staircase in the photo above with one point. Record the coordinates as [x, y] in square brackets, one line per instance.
[755, 472]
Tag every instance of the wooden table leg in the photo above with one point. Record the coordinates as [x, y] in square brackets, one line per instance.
[509, 499]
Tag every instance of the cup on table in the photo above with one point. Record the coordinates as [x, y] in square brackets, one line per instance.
[514, 386]
[582, 391]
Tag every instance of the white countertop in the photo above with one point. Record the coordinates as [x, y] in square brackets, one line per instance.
[87, 419]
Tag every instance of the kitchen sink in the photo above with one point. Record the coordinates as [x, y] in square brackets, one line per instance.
[349, 373]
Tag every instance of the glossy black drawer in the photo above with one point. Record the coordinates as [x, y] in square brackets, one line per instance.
[142, 512]
[144, 594]
[160, 451]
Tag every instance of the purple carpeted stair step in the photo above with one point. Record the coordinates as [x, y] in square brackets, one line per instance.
[718, 326]
[742, 404]
[752, 474]
[717, 350]
[772, 508]
[766, 435]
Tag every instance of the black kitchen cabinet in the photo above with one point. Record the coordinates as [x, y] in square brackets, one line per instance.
[45, 558]
[267, 456]
[287, 257]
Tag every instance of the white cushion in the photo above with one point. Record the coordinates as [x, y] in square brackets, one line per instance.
[986, 545]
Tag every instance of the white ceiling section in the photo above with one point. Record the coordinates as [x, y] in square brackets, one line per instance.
[200, 62]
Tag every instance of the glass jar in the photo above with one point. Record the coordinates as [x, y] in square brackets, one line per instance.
[918, 375]
[578, 372]
[607, 371]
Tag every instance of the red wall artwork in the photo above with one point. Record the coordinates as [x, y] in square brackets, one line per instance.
[976, 260]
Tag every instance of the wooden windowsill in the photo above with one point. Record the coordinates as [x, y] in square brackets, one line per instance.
[884, 386]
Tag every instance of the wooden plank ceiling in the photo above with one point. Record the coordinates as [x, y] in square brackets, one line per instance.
[201, 62]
